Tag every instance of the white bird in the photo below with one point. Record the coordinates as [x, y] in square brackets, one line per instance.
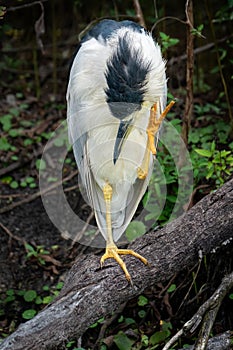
[116, 101]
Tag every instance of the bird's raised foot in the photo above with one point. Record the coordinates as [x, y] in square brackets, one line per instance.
[142, 174]
[113, 252]
[154, 124]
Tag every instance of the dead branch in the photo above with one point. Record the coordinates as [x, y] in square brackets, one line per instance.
[139, 13]
[189, 72]
[90, 293]
[205, 314]
[219, 342]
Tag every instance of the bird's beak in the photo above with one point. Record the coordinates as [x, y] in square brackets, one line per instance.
[123, 131]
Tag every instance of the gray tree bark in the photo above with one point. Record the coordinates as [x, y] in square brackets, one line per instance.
[90, 293]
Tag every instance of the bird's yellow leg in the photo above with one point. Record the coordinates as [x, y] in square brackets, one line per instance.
[142, 171]
[152, 129]
[111, 249]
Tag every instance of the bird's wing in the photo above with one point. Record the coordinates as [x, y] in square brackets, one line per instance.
[138, 189]
[85, 101]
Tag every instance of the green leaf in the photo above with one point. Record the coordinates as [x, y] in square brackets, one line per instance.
[164, 36]
[29, 248]
[14, 157]
[14, 184]
[14, 132]
[14, 111]
[210, 173]
[58, 142]
[27, 142]
[45, 288]
[32, 185]
[158, 337]
[28, 314]
[135, 229]
[30, 295]
[48, 299]
[6, 122]
[6, 179]
[4, 144]
[142, 313]
[40, 164]
[166, 326]
[144, 339]
[171, 288]
[29, 179]
[59, 285]
[129, 320]
[10, 292]
[9, 298]
[142, 301]
[122, 341]
[203, 152]
[38, 300]
[121, 319]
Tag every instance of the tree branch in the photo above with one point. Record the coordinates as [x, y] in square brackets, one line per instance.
[205, 314]
[90, 292]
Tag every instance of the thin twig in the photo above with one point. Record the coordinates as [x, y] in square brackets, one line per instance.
[14, 195]
[207, 308]
[189, 73]
[15, 237]
[71, 188]
[164, 19]
[193, 281]
[80, 233]
[30, 4]
[108, 322]
[139, 13]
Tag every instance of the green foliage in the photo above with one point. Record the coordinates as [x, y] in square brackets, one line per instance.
[6, 121]
[172, 288]
[94, 325]
[198, 31]
[14, 184]
[70, 345]
[162, 335]
[29, 300]
[167, 41]
[28, 181]
[122, 341]
[36, 252]
[2, 11]
[30, 295]
[219, 164]
[5, 145]
[28, 314]
[135, 229]
[142, 300]
[40, 164]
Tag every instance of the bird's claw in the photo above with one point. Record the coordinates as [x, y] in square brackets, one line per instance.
[114, 252]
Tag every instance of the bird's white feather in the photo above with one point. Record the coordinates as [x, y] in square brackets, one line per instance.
[93, 129]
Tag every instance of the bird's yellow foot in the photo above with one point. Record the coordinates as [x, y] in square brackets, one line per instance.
[154, 124]
[152, 129]
[113, 252]
[142, 174]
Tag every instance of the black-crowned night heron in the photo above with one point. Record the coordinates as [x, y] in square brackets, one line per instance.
[116, 101]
